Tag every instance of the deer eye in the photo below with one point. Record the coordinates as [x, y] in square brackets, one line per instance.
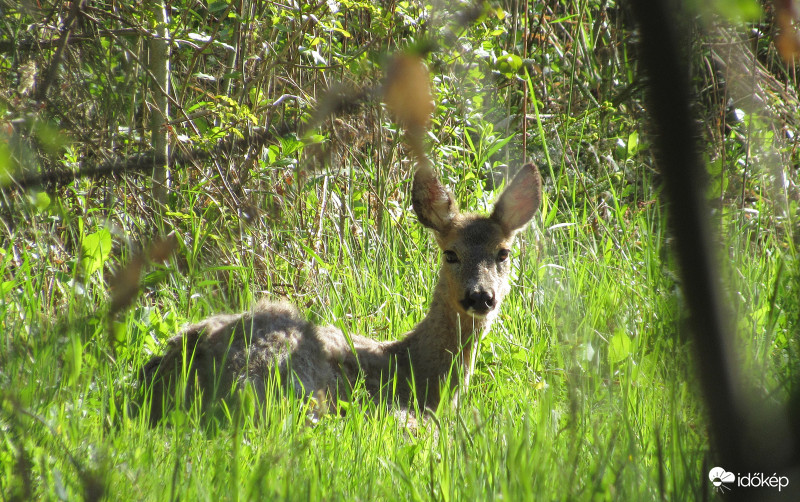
[502, 255]
[451, 256]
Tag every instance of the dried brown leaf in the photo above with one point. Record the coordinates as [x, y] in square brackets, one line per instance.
[407, 93]
[161, 249]
[787, 41]
[126, 282]
[125, 285]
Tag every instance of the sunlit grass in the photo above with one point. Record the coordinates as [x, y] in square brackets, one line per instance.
[584, 388]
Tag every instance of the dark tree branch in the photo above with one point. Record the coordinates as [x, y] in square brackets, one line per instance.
[52, 69]
[139, 163]
[27, 44]
[739, 443]
[339, 100]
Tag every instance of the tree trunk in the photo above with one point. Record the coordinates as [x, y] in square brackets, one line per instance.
[159, 88]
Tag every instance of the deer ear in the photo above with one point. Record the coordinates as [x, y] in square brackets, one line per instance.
[433, 203]
[520, 200]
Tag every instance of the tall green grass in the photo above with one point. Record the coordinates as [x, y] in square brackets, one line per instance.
[584, 388]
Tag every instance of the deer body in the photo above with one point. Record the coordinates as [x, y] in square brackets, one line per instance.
[226, 351]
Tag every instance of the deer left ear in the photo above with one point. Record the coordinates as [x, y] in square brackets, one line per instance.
[434, 204]
[520, 200]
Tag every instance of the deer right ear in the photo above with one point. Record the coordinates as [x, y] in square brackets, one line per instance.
[433, 203]
[520, 200]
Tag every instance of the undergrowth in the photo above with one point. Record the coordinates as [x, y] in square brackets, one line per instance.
[584, 388]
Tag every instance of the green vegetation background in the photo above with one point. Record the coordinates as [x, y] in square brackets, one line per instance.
[584, 387]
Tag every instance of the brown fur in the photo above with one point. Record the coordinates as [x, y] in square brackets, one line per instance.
[224, 352]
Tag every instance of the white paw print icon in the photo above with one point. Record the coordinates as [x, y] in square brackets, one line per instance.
[718, 476]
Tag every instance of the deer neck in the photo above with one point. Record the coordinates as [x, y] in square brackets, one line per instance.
[447, 333]
[449, 325]
[442, 344]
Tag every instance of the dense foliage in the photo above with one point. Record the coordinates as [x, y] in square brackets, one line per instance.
[288, 178]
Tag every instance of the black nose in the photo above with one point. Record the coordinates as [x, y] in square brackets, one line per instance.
[479, 301]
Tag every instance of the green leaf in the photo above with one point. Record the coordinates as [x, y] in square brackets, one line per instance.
[290, 144]
[73, 360]
[320, 261]
[633, 144]
[5, 163]
[6, 287]
[619, 348]
[272, 154]
[344, 32]
[42, 201]
[736, 10]
[50, 137]
[217, 7]
[717, 186]
[715, 167]
[96, 248]
[248, 400]
[179, 215]
[508, 64]
[497, 146]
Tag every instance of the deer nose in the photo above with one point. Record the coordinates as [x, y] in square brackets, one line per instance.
[479, 301]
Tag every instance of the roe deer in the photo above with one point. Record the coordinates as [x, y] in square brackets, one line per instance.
[226, 351]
